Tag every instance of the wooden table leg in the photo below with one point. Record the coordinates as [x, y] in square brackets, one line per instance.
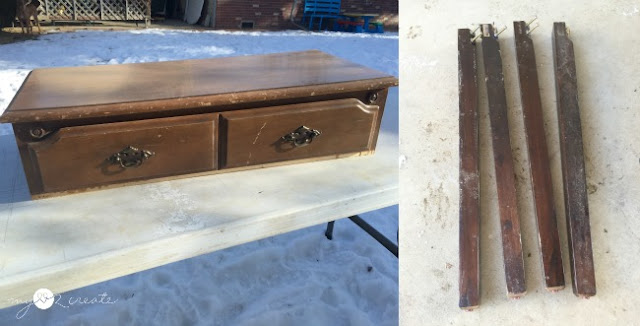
[469, 241]
[573, 169]
[539, 166]
[505, 180]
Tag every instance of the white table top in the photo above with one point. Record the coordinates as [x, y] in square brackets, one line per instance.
[64, 243]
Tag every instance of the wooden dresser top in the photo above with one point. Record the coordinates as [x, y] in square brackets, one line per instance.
[117, 90]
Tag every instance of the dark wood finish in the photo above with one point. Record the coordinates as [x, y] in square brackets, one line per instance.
[538, 159]
[249, 137]
[573, 167]
[505, 180]
[76, 157]
[469, 277]
[54, 94]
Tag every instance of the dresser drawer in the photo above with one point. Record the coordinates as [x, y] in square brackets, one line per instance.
[93, 155]
[297, 131]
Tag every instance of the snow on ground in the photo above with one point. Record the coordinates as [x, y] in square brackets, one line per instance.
[298, 278]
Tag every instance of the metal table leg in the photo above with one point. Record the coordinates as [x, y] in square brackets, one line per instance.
[392, 247]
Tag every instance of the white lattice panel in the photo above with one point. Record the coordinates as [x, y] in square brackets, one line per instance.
[113, 10]
[96, 9]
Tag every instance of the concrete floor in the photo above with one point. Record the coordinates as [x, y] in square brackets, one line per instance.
[607, 49]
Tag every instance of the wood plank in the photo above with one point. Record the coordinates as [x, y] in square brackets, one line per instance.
[548, 240]
[114, 90]
[469, 277]
[573, 168]
[505, 180]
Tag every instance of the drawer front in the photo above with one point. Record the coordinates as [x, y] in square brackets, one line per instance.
[86, 156]
[266, 135]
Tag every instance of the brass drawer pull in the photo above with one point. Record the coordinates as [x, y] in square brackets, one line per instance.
[302, 136]
[130, 157]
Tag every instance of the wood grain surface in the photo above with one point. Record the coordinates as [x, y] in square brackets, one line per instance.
[68, 121]
[249, 137]
[549, 243]
[469, 243]
[76, 157]
[116, 90]
[573, 168]
[503, 161]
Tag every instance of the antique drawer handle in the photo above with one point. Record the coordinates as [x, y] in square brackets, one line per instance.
[130, 157]
[302, 136]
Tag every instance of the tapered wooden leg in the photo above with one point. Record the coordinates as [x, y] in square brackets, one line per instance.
[548, 240]
[573, 168]
[469, 281]
[505, 180]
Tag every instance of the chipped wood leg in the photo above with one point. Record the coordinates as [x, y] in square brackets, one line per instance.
[505, 180]
[573, 167]
[469, 241]
[548, 240]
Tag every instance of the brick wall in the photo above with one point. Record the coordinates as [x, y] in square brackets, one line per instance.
[387, 9]
[275, 14]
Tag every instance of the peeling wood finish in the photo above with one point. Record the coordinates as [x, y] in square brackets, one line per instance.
[53, 94]
[548, 240]
[573, 167]
[469, 242]
[505, 180]
[198, 104]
